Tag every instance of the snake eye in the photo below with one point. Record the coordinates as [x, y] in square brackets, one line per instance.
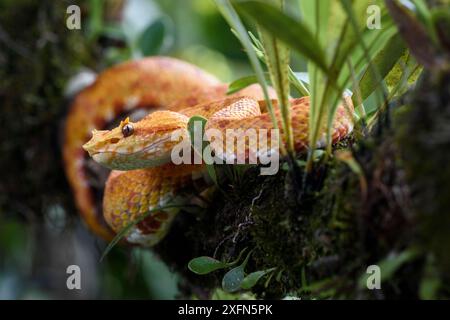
[127, 130]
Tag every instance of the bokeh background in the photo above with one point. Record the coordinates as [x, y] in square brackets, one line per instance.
[42, 66]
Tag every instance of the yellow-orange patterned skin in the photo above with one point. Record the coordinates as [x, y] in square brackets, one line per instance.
[243, 116]
[130, 194]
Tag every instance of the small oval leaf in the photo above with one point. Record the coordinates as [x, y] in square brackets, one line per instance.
[205, 265]
[196, 127]
[252, 279]
[157, 37]
[232, 280]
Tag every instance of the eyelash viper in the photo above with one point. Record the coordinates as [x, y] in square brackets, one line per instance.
[175, 90]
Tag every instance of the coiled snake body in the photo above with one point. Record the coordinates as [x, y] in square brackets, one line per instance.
[141, 151]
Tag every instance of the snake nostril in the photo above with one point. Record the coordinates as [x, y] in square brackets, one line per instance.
[114, 140]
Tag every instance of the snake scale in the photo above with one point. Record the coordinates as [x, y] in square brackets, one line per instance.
[143, 177]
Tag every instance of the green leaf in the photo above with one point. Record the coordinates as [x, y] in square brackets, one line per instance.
[120, 235]
[115, 55]
[156, 37]
[430, 283]
[242, 83]
[316, 15]
[242, 34]
[299, 85]
[197, 132]
[429, 288]
[415, 35]
[385, 60]
[136, 16]
[425, 17]
[323, 289]
[291, 31]
[347, 157]
[232, 280]
[196, 126]
[441, 21]
[277, 57]
[295, 78]
[212, 173]
[391, 264]
[252, 279]
[402, 75]
[114, 31]
[296, 83]
[302, 76]
[205, 265]
[356, 47]
[95, 22]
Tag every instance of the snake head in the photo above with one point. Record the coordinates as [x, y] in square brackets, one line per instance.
[142, 144]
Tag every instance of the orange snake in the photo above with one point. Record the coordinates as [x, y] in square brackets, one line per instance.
[177, 91]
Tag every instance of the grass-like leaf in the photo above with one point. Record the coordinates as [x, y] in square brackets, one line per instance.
[359, 47]
[294, 80]
[236, 24]
[95, 22]
[291, 31]
[120, 235]
[430, 283]
[244, 82]
[391, 264]
[277, 58]
[425, 15]
[350, 161]
[415, 34]
[385, 60]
